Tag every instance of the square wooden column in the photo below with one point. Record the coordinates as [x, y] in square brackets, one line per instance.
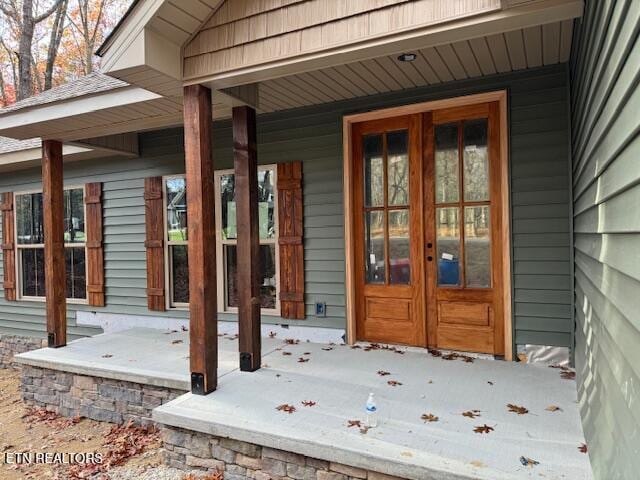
[203, 331]
[54, 264]
[248, 243]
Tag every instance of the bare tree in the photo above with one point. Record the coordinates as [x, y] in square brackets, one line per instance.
[88, 25]
[54, 44]
[26, 21]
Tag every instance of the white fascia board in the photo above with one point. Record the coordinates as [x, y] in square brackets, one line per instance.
[10, 158]
[73, 107]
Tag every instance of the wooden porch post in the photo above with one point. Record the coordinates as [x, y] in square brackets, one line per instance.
[203, 331]
[248, 245]
[54, 264]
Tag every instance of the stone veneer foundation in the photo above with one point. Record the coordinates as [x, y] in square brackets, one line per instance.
[188, 450]
[98, 398]
[11, 345]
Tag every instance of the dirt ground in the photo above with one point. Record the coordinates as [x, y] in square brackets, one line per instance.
[18, 434]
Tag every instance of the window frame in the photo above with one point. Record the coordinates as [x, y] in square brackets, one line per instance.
[221, 261]
[18, 262]
[167, 244]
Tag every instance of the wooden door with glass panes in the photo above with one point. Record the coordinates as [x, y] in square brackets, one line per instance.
[388, 229]
[463, 228]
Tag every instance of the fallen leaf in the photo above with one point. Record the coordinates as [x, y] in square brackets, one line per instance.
[291, 341]
[176, 342]
[303, 360]
[583, 448]
[327, 349]
[184, 329]
[272, 334]
[217, 475]
[307, 353]
[429, 417]
[354, 423]
[471, 413]
[516, 409]
[394, 383]
[568, 375]
[355, 347]
[528, 462]
[490, 383]
[106, 355]
[285, 407]
[383, 373]
[308, 403]
[483, 429]
[286, 353]
[553, 408]
[435, 353]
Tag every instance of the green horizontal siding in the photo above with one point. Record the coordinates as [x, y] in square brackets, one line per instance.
[540, 197]
[605, 104]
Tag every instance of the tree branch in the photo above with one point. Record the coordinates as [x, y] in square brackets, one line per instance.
[48, 12]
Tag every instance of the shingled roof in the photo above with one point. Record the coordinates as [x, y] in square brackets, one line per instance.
[95, 82]
[9, 145]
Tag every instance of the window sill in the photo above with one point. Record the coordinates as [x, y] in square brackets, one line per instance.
[70, 301]
[269, 313]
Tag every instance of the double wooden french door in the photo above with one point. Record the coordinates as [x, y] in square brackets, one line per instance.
[427, 229]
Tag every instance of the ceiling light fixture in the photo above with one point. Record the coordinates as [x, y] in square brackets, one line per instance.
[407, 57]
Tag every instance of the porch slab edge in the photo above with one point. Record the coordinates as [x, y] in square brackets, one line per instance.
[38, 358]
[173, 414]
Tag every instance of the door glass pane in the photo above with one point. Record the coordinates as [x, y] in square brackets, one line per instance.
[477, 246]
[448, 245]
[398, 168]
[399, 258]
[374, 247]
[176, 209]
[76, 272]
[267, 276]
[29, 217]
[446, 157]
[373, 171]
[180, 273]
[476, 161]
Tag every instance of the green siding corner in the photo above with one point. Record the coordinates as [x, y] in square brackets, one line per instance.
[539, 168]
[605, 106]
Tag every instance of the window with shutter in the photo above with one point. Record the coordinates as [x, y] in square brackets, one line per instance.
[8, 247]
[154, 222]
[290, 240]
[95, 249]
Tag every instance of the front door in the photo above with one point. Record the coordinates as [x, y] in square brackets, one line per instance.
[427, 229]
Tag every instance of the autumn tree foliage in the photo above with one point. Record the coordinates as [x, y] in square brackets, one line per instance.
[44, 43]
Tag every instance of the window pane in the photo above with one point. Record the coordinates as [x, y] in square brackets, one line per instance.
[32, 262]
[267, 276]
[179, 273]
[73, 211]
[398, 168]
[29, 224]
[476, 161]
[74, 259]
[266, 204]
[373, 171]
[448, 245]
[176, 209]
[477, 246]
[374, 247]
[399, 261]
[228, 206]
[446, 163]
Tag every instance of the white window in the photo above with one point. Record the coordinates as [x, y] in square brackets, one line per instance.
[30, 245]
[226, 240]
[176, 256]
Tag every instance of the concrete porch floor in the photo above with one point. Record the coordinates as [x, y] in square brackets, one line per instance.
[338, 379]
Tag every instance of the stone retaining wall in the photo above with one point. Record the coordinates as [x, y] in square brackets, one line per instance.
[11, 345]
[188, 450]
[101, 399]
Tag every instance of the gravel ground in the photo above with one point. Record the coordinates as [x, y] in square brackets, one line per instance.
[149, 473]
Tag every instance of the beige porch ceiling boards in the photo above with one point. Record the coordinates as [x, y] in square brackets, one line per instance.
[499, 53]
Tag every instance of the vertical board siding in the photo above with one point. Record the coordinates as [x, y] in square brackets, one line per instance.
[540, 201]
[605, 101]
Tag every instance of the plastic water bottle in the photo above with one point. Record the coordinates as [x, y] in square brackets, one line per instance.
[372, 412]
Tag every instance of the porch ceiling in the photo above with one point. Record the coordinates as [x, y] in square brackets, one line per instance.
[498, 53]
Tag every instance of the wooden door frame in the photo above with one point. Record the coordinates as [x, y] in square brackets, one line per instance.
[499, 96]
